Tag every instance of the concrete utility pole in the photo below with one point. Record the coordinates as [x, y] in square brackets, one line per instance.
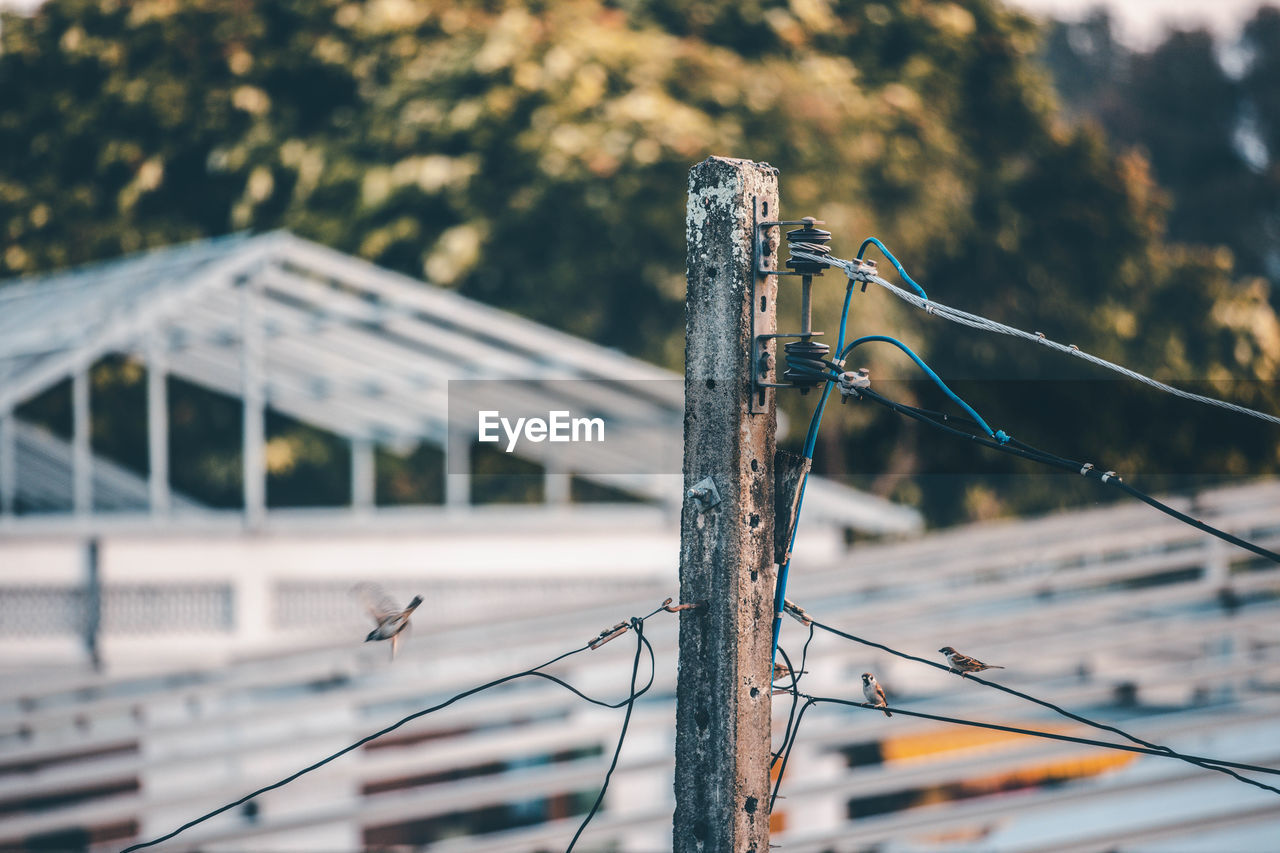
[726, 537]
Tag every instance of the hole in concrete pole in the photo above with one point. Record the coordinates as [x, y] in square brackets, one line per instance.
[755, 465]
[701, 718]
[764, 300]
[700, 830]
[755, 691]
[754, 521]
[755, 575]
[711, 384]
[750, 806]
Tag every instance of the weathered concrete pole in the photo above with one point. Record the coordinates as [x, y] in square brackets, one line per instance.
[726, 547]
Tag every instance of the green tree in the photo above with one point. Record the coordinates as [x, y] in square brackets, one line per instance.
[534, 155]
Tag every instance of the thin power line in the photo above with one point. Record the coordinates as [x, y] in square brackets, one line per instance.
[1146, 746]
[535, 672]
[642, 641]
[860, 271]
[1142, 750]
[1086, 469]
[793, 689]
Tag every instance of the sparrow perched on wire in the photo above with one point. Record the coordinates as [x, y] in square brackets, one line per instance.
[963, 663]
[874, 692]
[781, 670]
[390, 619]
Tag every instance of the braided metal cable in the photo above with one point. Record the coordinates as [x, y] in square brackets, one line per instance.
[861, 271]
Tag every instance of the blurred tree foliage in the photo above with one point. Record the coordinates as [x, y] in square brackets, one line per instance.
[1204, 111]
[534, 155]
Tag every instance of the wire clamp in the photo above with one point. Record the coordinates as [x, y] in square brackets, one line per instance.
[609, 634]
[1085, 469]
[1109, 475]
[852, 382]
[863, 270]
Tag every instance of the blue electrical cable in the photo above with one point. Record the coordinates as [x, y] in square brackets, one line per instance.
[872, 241]
[999, 435]
[810, 441]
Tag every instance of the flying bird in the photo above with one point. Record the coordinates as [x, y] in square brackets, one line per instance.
[963, 663]
[874, 692]
[390, 619]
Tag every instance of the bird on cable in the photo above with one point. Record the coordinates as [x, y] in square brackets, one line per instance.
[874, 692]
[963, 663]
[390, 619]
[781, 670]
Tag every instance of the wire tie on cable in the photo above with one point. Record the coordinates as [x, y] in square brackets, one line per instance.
[1084, 469]
[1002, 436]
[609, 634]
[1075, 349]
[796, 612]
[1040, 336]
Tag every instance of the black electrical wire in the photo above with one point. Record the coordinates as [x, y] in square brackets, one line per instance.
[815, 700]
[785, 752]
[642, 641]
[1026, 451]
[1147, 746]
[534, 672]
[810, 701]
[793, 689]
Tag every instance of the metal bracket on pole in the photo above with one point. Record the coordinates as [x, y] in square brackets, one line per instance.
[705, 493]
[764, 362]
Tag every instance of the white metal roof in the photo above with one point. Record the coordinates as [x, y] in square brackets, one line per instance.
[44, 477]
[357, 350]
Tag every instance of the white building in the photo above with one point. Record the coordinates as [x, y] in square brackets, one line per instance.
[284, 325]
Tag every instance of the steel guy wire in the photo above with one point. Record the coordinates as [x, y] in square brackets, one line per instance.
[860, 271]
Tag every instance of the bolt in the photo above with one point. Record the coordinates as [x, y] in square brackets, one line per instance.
[699, 494]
